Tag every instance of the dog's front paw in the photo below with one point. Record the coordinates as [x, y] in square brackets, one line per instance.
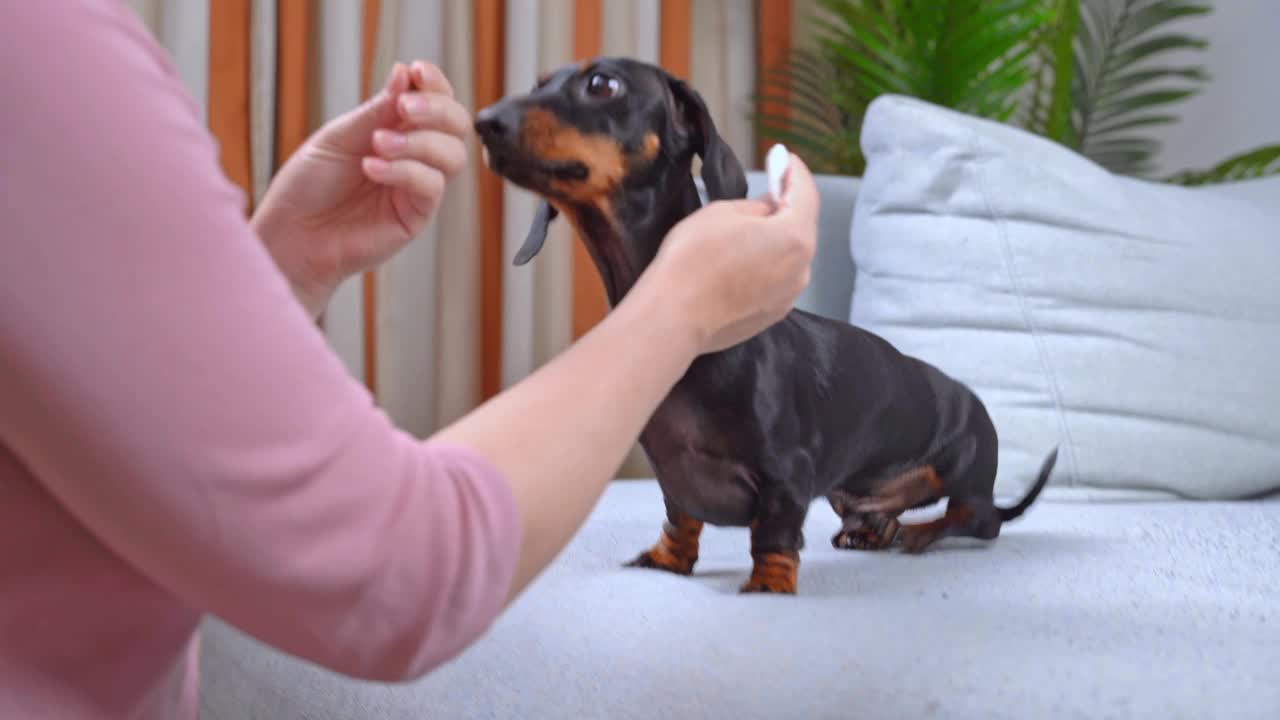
[660, 558]
[773, 573]
[779, 587]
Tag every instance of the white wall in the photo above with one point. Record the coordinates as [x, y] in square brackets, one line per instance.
[1239, 108]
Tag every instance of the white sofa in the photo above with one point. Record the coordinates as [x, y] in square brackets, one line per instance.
[1090, 606]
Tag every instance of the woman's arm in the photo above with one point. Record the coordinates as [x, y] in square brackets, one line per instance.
[161, 381]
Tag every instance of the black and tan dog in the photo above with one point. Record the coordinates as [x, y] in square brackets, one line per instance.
[810, 408]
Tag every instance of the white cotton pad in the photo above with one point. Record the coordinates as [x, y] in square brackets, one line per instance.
[775, 165]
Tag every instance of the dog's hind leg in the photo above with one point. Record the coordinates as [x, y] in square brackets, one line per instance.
[776, 541]
[965, 517]
[677, 547]
[899, 493]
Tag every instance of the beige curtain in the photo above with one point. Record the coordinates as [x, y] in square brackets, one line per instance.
[724, 68]
[262, 94]
[553, 274]
[536, 298]
[428, 295]
[337, 89]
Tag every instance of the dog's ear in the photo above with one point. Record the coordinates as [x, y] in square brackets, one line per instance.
[537, 233]
[721, 171]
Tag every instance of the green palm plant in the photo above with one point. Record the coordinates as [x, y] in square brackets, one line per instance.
[972, 55]
[1090, 74]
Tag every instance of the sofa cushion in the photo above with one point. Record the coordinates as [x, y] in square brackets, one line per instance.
[1133, 323]
[1160, 610]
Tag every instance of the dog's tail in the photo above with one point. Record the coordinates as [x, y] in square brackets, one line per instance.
[1046, 468]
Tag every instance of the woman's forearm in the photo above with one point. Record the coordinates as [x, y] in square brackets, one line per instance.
[561, 433]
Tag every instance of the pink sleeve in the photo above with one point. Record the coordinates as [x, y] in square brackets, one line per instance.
[159, 378]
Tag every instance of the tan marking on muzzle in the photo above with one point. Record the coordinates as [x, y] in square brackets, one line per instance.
[548, 139]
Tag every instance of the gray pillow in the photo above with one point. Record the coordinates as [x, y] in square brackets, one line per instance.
[1135, 324]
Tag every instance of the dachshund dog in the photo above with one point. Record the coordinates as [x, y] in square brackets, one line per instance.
[752, 435]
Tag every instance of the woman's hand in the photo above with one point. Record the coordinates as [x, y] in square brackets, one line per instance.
[737, 268]
[365, 184]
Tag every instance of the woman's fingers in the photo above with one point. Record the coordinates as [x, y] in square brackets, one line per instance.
[426, 147]
[423, 183]
[802, 192]
[398, 79]
[755, 207]
[429, 78]
[435, 111]
[442, 151]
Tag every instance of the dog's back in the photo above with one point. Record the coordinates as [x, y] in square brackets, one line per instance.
[820, 403]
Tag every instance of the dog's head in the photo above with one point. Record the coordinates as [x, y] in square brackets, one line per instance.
[587, 133]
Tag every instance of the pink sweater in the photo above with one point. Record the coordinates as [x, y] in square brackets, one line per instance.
[176, 438]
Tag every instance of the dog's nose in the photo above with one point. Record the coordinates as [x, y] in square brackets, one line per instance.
[492, 122]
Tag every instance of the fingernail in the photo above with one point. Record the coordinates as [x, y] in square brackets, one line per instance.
[413, 105]
[389, 142]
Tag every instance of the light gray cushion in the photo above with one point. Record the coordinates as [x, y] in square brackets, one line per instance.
[1135, 324]
[1162, 610]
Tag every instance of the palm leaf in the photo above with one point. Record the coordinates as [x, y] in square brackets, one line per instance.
[809, 121]
[1058, 115]
[1047, 105]
[971, 55]
[1256, 163]
[1115, 87]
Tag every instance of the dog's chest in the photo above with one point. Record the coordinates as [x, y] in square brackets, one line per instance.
[697, 465]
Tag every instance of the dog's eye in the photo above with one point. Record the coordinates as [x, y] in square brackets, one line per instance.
[602, 86]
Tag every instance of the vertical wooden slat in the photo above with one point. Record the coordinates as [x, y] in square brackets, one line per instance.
[368, 46]
[773, 46]
[674, 39]
[229, 90]
[295, 21]
[589, 301]
[487, 48]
